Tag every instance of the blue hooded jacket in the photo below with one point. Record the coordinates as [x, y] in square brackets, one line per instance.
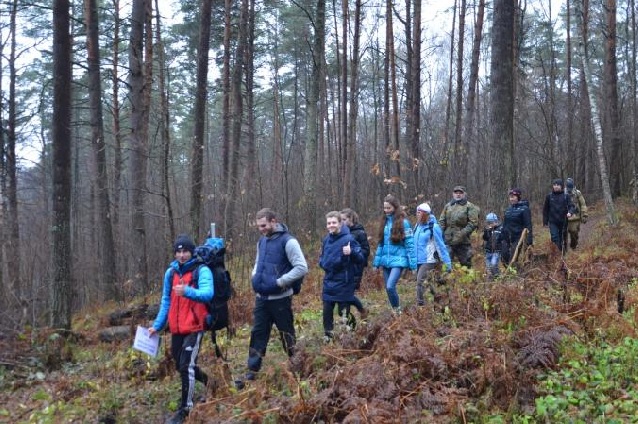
[338, 283]
[390, 255]
[428, 239]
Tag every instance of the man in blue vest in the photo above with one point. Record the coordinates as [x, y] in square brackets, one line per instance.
[279, 263]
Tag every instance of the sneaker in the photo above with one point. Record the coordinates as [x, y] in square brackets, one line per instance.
[397, 310]
[364, 313]
[250, 376]
[327, 339]
[178, 417]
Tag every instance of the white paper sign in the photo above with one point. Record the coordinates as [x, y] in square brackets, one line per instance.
[146, 343]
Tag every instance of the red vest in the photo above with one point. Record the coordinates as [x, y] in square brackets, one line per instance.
[185, 316]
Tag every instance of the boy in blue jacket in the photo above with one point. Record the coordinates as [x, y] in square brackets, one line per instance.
[183, 305]
[340, 255]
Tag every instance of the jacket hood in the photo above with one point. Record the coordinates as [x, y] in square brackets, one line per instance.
[278, 230]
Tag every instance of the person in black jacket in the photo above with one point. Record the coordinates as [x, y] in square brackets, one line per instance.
[492, 242]
[558, 208]
[350, 218]
[517, 217]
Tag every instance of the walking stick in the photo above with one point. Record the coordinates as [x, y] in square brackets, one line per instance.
[519, 247]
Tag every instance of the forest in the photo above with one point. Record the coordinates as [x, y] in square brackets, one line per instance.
[125, 123]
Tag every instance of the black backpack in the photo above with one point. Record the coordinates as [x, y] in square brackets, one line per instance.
[212, 254]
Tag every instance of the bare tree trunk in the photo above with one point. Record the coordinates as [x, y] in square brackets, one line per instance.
[610, 71]
[343, 98]
[226, 118]
[165, 125]
[502, 96]
[313, 117]
[414, 105]
[470, 105]
[581, 7]
[459, 161]
[201, 96]
[106, 275]
[249, 66]
[395, 156]
[238, 115]
[351, 140]
[448, 106]
[138, 142]
[570, 164]
[118, 163]
[634, 105]
[61, 291]
[16, 298]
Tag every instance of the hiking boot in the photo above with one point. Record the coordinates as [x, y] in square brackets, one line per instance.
[178, 417]
[250, 376]
[364, 313]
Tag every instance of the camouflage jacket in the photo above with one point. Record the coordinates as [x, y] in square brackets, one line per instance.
[581, 207]
[458, 220]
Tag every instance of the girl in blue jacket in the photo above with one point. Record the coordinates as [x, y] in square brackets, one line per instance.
[340, 256]
[395, 251]
[430, 250]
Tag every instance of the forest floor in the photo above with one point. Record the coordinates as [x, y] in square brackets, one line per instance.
[477, 354]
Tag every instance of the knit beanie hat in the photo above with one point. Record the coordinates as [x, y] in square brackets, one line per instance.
[558, 181]
[516, 192]
[424, 207]
[491, 217]
[183, 241]
[569, 184]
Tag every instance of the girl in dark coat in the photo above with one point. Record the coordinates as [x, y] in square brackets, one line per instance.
[350, 218]
[517, 217]
[340, 255]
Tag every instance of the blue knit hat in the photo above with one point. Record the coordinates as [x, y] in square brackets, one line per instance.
[491, 217]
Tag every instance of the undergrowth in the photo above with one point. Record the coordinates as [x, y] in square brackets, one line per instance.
[542, 343]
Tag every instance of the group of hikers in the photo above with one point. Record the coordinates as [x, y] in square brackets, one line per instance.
[426, 248]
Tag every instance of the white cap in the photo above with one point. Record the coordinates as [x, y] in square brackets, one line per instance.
[424, 207]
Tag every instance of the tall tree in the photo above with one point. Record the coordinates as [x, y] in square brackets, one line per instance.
[12, 223]
[470, 102]
[459, 161]
[165, 133]
[502, 94]
[581, 8]
[61, 289]
[351, 140]
[232, 192]
[138, 138]
[610, 76]
[201, 96]
[413, 91]
[313, 116]
[107, 252]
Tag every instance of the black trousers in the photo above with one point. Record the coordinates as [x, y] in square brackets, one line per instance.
[185, 349]
[265, 314]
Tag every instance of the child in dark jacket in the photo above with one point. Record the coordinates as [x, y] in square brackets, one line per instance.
[340, 255]
[557, 209]
[492, 240]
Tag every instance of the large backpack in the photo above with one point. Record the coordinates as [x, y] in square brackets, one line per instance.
[211, 254]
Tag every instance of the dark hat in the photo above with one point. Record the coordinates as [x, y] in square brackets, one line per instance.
[557, 181]
[459, 188]
[516, 192]
[569, 183]
[183, 241]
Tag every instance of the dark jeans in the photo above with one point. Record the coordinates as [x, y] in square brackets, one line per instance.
[462, 252]
[558, 233]
[185, 349]
[265, 314]
[328, 315]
